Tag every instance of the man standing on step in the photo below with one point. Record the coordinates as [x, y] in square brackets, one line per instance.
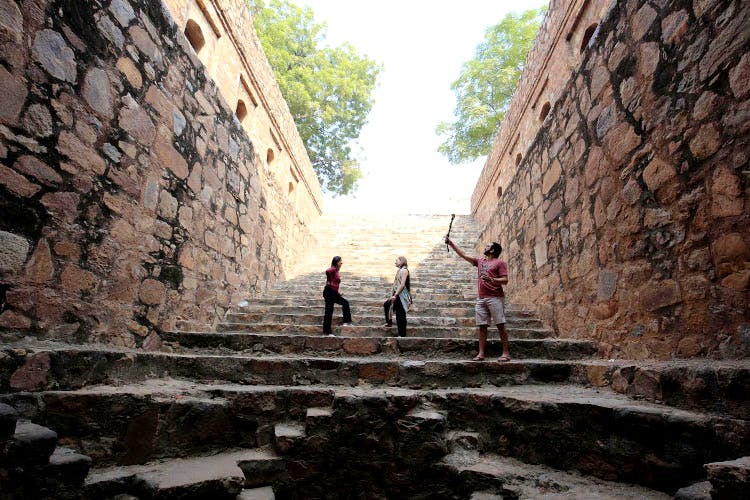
[492, 275]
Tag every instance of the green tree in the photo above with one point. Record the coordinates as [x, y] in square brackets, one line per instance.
[485, 86]
[328, 90]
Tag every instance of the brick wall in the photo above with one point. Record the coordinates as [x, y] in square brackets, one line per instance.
[627, 219]
[131, 196]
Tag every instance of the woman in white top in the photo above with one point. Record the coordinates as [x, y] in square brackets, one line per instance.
[400, 298]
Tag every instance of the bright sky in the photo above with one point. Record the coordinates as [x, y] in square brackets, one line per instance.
[421, 45]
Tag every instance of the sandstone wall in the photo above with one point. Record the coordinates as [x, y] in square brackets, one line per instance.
[627, 220]
[234, 58]
[131, 196]
[558, 50]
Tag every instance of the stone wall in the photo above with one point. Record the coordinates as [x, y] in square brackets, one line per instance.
[559, 48]
[627, 219]
[234, 58]
[131, 196]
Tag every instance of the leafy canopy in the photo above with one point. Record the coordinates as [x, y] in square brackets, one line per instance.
[486, 84]
[328, 90]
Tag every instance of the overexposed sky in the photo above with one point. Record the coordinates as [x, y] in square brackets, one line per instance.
[421, 45]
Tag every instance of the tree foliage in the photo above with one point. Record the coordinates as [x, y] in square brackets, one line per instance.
[486, 84]
[328, 90]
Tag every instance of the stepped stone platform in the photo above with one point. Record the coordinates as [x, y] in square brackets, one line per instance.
[265, 406]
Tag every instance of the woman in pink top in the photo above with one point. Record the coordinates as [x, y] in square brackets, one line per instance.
[332, 296]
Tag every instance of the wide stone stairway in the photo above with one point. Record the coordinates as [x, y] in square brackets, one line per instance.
[266, 406]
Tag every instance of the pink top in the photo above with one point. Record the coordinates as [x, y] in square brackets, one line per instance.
[494, 268]
[332, 278]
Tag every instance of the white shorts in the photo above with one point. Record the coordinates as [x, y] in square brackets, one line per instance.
[490, 308]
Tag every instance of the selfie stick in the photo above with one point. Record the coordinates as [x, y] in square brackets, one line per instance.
[447, 248]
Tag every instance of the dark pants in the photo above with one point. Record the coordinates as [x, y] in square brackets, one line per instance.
[331, 297]
[398, 307]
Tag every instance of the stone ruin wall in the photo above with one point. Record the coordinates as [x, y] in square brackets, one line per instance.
[627, 219]
[558, 50]
[132, 197]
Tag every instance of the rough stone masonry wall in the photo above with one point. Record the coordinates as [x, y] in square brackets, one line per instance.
[627, 222]
[131, 197]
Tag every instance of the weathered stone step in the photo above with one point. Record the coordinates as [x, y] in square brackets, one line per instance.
[414, 312]
[8, 419]
[492, 476]
[415, 318]
[31, 444]
[414, 348]
[311, 301]
[719, 387]
[354, 295]
[566, 426]
[357, 330]
[75, 368]
[212, 476]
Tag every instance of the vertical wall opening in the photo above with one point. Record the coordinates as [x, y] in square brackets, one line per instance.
[194, 34]
[544, 112]
[518, 159]
[499, 191]
[241, 110]
[269, 157]
[587, 36]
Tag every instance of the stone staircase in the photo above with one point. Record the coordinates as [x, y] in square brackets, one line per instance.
[266, 406]
[31, 463]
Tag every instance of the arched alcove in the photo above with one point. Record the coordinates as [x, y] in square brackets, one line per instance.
[241, 110]
[545, 111]
[587, 35]
[269, 157]
[499, 191]
[518, 159]
[194, 34]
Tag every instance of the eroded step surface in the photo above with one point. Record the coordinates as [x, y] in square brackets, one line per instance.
[389, 347]
[492, 476]
[212, 476]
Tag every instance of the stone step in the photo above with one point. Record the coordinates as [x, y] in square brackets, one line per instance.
[453, 307]
[376, 331]
[488, 476]
[355, 296]
[730, 478]
[413, 348]
[70, 369]
[8, 419]
[61, 477]
[718, 387]
[211, 476]
[31, 444]
[262, 493]
[570, 427]
[253, 310]
[414, 318]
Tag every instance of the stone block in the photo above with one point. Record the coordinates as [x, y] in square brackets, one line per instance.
[17, 183]
[730, 479]
[40, 268]
[13, 252]
[655, 295]
[706, 142]
[13, 96]
[135, 121]
[75, 279]
[360, 346]
[32, 376]
[97, 92]
[54, 55]
[152, 292]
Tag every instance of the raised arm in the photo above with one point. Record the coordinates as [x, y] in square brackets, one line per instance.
[460, 252]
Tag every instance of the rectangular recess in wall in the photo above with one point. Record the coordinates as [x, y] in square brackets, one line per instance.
[247, 90]
[577, 20]
[211, 19]
[544, 87]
